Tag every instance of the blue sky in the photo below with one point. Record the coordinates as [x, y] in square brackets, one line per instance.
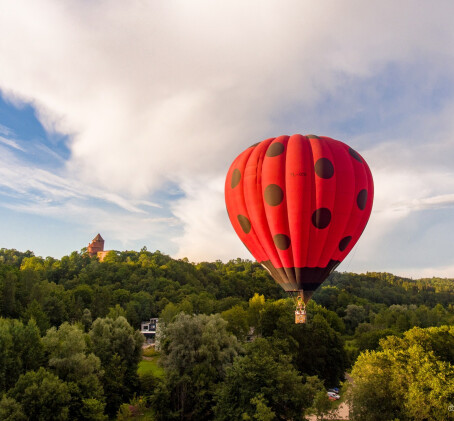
[124, 120]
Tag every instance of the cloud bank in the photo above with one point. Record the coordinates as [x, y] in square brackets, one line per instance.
[159, 94]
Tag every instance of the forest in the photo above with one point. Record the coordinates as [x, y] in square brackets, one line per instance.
[228, 348]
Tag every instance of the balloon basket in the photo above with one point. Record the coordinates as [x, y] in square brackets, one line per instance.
[300, 311]
[300, 316]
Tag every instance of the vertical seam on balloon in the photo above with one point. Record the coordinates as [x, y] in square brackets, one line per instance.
[370, 193]
[263, 201]
[244, 199]
[287, 210]
[241, 186]
[260, 191]
[366, 215]
[313, 200]
[259, 188]
[352, 203]
[334, 202]
[350, 248]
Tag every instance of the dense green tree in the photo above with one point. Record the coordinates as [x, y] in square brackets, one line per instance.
[316, 348]
[7, 358]
[237, 321]
[115, 312]
[11, 410]
[42, 395]
[370, 339]
[35, 311]
[86, 319]
[196, 351]
[255, 310]
[412, 378]
[321, 404]
[9, 306]
[262, 411]
[169, 313]
[263, 376]
[27, 343]
[20, 350]
[70, 360]
[119, 348]
[358, 308]
[354, 315]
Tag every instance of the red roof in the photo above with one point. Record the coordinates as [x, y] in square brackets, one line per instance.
[98, 238]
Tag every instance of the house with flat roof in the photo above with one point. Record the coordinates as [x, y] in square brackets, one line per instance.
[148, 329]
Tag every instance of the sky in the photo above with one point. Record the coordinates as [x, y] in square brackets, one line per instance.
[122, 118]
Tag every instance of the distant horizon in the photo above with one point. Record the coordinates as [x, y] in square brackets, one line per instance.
[233, 258]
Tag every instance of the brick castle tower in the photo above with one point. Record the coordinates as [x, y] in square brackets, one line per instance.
[96, 246]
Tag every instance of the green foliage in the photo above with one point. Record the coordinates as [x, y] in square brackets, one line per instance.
[119, 347]
[71, 360]
[262, 412]
[92, 410]
[20, 350]
[412, 378]
[316, 348]
[265, 380]
[34, 311]
[150, 367]
[150, 352]
[148, 382]
[321, 404]
[98, 361]
[42, 395]
[195, 353]
[11, 410]
[115, 312]
[237, 321]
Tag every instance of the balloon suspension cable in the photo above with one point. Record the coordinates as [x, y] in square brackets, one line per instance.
[300, 308]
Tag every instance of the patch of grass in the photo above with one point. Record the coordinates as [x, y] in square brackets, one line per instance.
[150, 366]
[149, 352]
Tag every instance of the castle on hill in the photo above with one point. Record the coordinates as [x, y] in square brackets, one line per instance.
[96, 248]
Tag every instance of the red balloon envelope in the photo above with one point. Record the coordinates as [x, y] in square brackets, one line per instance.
[299, 204]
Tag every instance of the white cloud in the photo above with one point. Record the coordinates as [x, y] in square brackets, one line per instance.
[4, 130]
[11, 143]
[207, 233]
[34, 185]
[170, 92]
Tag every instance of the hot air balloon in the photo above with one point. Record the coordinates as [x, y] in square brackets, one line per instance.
[299, 204]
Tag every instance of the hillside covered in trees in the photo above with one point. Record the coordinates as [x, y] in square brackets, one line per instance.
[70, 349]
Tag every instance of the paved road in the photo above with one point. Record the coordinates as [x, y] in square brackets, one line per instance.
[342, 413]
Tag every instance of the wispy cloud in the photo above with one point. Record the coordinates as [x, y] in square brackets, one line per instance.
[37, 185]
[5, 131]
[168, 93]
[434, 202]
[12, 143]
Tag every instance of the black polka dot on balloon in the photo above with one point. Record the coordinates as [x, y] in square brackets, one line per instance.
[321, 218]
[281, 241]
[361, 199]
[273, 195]
[275, 149]
[354, 154]
[344, 242]
[254, 145]
[245, 223]
[324, 168]
[312, 136]
[236, 177]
